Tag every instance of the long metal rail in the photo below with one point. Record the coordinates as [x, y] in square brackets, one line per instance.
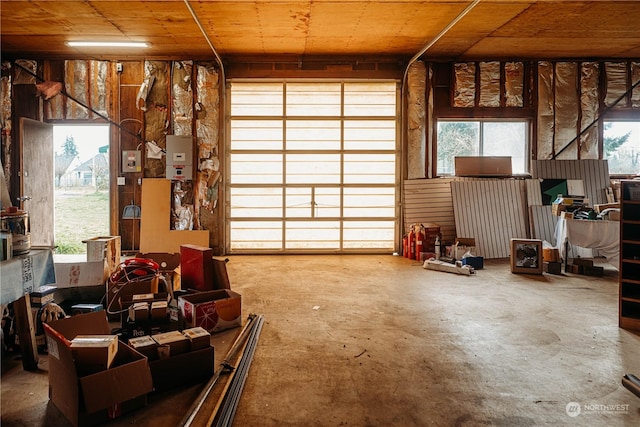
[196, 407]
[231, 398]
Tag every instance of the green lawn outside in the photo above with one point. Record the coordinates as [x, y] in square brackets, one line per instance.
[80, 214]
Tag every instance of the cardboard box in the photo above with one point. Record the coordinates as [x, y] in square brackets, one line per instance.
[139, 311]
[550, 254]
[93, 353]
[483, 166]
[220, 275]
[198, 337]
[196, 267]
[104, 248]
[553, 267]
[174, 341]
[213, 310]
[582, 261]
[462, 246]
[86, 400]
[557, 209]
[74, 274]
[183, 369]
[159, 309]
[145, 345]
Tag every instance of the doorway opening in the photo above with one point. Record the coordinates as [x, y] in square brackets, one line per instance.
[81, 185]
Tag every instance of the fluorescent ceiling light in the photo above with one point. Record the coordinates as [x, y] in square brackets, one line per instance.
[108, 44]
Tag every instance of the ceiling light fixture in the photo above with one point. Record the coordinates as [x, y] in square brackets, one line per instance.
[107, 44]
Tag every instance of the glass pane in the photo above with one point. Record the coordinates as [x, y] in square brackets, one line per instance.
[369, 202]
[313, 235]
[368, 235]
[256, 168]
[313, 99]
[256, 99]
[370, 135]
[299, 202]
[313, 168]
[313, 202]
[370, 99]
[456, 139]
[256, 202]
[621, 145]
[327, 203]
[256, 235]
[313, 135]
[369, 168]
[256, 134]
[506, 139]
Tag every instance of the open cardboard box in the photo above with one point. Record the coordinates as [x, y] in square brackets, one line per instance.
[212, 310]
[94, 398]
[182, 369]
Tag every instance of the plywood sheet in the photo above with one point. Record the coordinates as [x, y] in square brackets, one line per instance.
[155, 233]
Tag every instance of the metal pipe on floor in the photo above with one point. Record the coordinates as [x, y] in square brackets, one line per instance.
[631, 383]
[204, 394]
[232, 397]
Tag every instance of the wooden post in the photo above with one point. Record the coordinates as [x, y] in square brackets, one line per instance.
[25, 330]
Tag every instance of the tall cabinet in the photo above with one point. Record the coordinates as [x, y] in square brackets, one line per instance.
[629, 275]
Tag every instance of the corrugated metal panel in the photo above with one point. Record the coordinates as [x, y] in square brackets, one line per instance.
[534, 193]
[429, 201]
[492, 212]
[542, 223]
[594, 174]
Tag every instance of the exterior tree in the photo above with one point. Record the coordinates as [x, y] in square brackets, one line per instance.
[612, 143]
[70, 148]
[455, 139]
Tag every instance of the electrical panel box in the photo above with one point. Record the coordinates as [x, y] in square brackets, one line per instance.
[179, 157]
[131, 161]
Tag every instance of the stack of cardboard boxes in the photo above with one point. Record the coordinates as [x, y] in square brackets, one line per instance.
[164, 342]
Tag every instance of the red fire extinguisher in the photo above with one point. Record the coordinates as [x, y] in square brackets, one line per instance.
[405, 246]
[419, 242]
[412, 243]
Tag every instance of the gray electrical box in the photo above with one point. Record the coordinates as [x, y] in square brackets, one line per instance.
[131, 161]
[179, 157]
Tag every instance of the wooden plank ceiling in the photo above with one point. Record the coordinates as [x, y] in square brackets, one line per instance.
[493, 29]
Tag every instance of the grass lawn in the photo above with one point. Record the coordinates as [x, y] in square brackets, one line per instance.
[80, 214]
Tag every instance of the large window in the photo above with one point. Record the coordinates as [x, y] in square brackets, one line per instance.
[621, 147]
[482, 138]
[312, 166]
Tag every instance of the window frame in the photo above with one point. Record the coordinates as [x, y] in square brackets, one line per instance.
[528, 149]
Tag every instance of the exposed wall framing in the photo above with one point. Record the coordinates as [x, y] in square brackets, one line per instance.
[5, 120]
[416, 120]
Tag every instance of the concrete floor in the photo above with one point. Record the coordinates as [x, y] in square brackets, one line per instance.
[379, 341]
